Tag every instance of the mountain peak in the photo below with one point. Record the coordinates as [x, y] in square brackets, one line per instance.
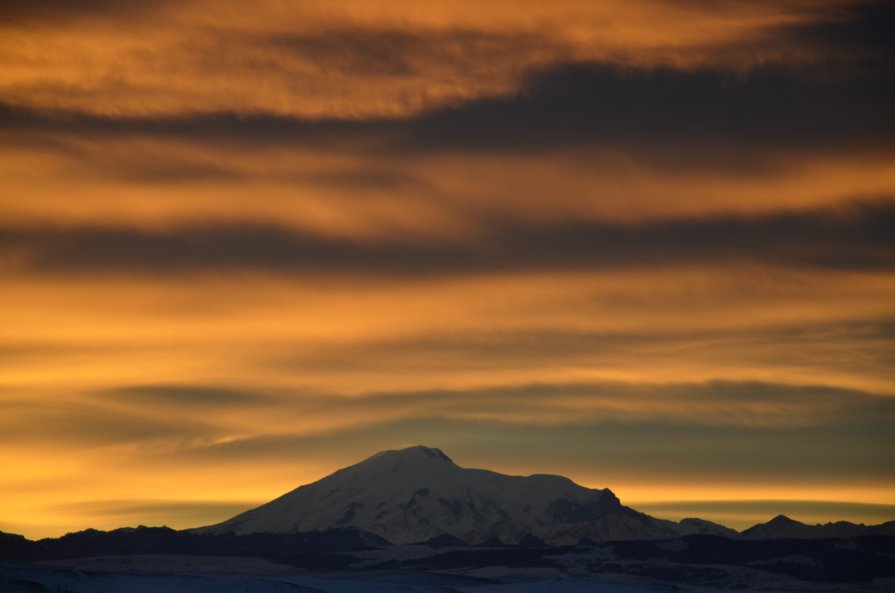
[783, 520]
[416, 451]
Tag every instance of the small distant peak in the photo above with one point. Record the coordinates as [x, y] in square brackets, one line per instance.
[781, 520]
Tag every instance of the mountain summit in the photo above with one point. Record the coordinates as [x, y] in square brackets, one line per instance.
[419, 493]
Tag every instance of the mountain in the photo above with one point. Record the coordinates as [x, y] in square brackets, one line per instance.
[782, 527]
[417, 494]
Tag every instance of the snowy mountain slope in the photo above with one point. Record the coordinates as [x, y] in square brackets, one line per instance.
[419, 493]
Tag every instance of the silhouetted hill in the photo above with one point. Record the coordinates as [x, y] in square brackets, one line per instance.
[782, 527]
[694, 559]
[15, 547]
[162, 540]
[828, 560]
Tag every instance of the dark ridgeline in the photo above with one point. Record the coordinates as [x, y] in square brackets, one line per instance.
[702, 559]
[312, 550]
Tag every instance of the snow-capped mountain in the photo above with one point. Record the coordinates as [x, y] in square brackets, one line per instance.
[419, 493]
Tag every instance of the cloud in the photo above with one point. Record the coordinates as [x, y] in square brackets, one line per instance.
[43, 12]
[843, 354]
[856, 237]
[641, 415]
[531, 346]
[678, 432]
[169, 396]
[83, 425]
[860, 30]
[593, 104]
[395, 53]
[739, 405]
[345, 59]
[578, 104]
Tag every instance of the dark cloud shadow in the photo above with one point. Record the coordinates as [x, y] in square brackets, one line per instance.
[170, 396]
[393, 53]
[567, 105]
[55, 12]
[853, 237]
[84, 424]
[862, 30]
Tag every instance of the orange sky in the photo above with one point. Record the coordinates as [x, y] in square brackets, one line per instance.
[645, 245]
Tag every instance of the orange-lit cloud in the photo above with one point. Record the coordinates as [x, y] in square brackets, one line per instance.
[311, 59]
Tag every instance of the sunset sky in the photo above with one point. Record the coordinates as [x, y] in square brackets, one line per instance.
[647, 245]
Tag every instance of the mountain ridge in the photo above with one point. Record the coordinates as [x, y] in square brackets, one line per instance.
[409, 496]
[783, 527]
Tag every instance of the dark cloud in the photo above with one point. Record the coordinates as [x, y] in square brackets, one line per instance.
[168, 396]
[41, 12]
[857, 348]
[715, 403]
[854, 237]
[498, 347]
[82, 424]
[718, 116]
[862, 30]
[397, 52]
[584, 104]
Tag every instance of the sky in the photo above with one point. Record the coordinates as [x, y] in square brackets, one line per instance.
[648, 246]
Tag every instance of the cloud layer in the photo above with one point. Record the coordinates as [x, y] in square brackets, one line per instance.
[639, 246]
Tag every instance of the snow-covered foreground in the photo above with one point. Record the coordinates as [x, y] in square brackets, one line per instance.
[185, 574]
